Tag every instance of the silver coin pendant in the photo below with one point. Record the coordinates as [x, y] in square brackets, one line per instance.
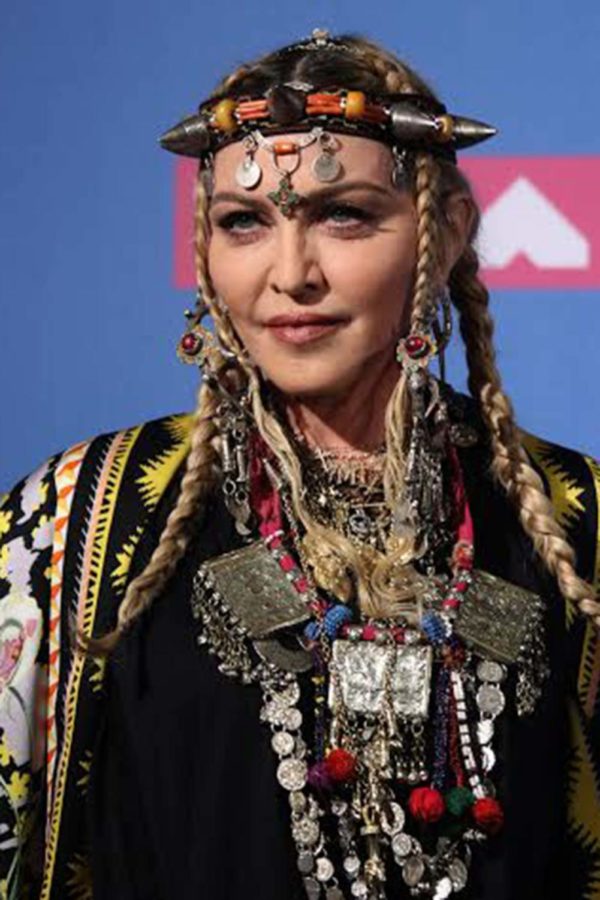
[326, 167]
[248, 174]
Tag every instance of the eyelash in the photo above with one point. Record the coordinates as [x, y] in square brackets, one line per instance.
[231, 222]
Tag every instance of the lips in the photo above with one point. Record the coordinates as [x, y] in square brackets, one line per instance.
[303, 328]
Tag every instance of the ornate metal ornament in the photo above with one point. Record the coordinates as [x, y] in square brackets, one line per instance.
[366, 672]
[497, 617]
[250, 583]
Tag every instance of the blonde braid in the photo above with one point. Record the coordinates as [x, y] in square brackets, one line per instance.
[510, 463]
[197, 482]
[427, 273]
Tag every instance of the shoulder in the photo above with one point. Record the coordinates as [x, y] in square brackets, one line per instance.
[571, 479]
[154, 447]
[108, 484]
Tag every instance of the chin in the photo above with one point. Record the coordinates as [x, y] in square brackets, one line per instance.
[310, 385]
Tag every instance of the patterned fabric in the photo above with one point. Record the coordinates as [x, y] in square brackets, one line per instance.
[67, 537]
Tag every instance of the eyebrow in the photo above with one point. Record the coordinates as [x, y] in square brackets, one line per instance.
[320, 194]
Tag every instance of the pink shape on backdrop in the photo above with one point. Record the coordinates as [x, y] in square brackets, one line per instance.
[540, 217]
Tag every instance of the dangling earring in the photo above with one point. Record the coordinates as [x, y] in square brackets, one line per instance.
[400, 169]
[196, 341]
[428, 432]
[441, 326]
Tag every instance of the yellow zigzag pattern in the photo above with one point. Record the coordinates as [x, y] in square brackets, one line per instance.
[118, 576]
[584, 799]
[158, 472]
[564, 490]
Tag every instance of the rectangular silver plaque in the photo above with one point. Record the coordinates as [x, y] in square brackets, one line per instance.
[496, 617]
[362, 668]
[255, 589]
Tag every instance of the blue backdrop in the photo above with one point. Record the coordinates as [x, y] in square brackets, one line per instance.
[90, 315]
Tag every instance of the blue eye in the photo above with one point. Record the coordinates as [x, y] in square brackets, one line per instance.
[239, 220]
[343, 213]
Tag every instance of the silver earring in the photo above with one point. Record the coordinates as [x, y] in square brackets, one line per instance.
[400, 168]
[441, 327]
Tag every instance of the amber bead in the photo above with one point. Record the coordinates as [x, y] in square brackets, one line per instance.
[355, 105]
[224, 115]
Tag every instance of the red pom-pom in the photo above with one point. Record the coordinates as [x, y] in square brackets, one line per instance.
[340, 764]
[488, 814]
[426, 804]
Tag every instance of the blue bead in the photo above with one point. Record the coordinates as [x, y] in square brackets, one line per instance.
[433, 627]
[335, 617]
[312, 631]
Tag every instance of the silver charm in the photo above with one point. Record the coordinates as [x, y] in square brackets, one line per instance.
[394, 822]
[306, 862]
[459, 874]
[401, 845]
[248, 173]
[306, 831]
[326, 167]
[352, 865]
[324, 869]
[488, 670]
[282, 743]
[413, 870]
[443, 889]
[291, 774]
[400, 170]
[490, 700]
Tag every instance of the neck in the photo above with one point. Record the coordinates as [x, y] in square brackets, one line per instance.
[352, 419]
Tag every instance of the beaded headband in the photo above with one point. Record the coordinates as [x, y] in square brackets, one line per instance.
[405, 121]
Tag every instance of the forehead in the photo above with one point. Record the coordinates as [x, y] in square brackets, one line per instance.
[359, 156]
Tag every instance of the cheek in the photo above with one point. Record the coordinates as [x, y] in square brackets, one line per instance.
[375, 278]
[235, 273]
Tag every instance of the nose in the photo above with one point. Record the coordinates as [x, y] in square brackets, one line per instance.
[296, 270]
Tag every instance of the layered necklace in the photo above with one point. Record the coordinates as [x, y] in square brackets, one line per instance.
[397, 772]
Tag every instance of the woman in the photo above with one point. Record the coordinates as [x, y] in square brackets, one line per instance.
[311, 641]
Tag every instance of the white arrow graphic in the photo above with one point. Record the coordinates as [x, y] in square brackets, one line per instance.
[523, 221]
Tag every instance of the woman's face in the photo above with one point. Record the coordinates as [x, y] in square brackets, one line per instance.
[319, 297]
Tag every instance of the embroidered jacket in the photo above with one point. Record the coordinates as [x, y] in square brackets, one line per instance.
[67, 537]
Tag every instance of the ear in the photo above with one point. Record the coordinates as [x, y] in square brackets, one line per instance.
[460, 217]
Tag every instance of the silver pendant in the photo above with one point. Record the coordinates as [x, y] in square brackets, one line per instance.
[489, 670]
[326, 167]
[306, 862]
[282, 743]
[443, 889]
[291, 775]
[324, 870]
[413, 870]
[306, 831]
[392, 820]
[362, 670]
[401, 845]
[490, 700]
[459, 874]
[248, 173]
